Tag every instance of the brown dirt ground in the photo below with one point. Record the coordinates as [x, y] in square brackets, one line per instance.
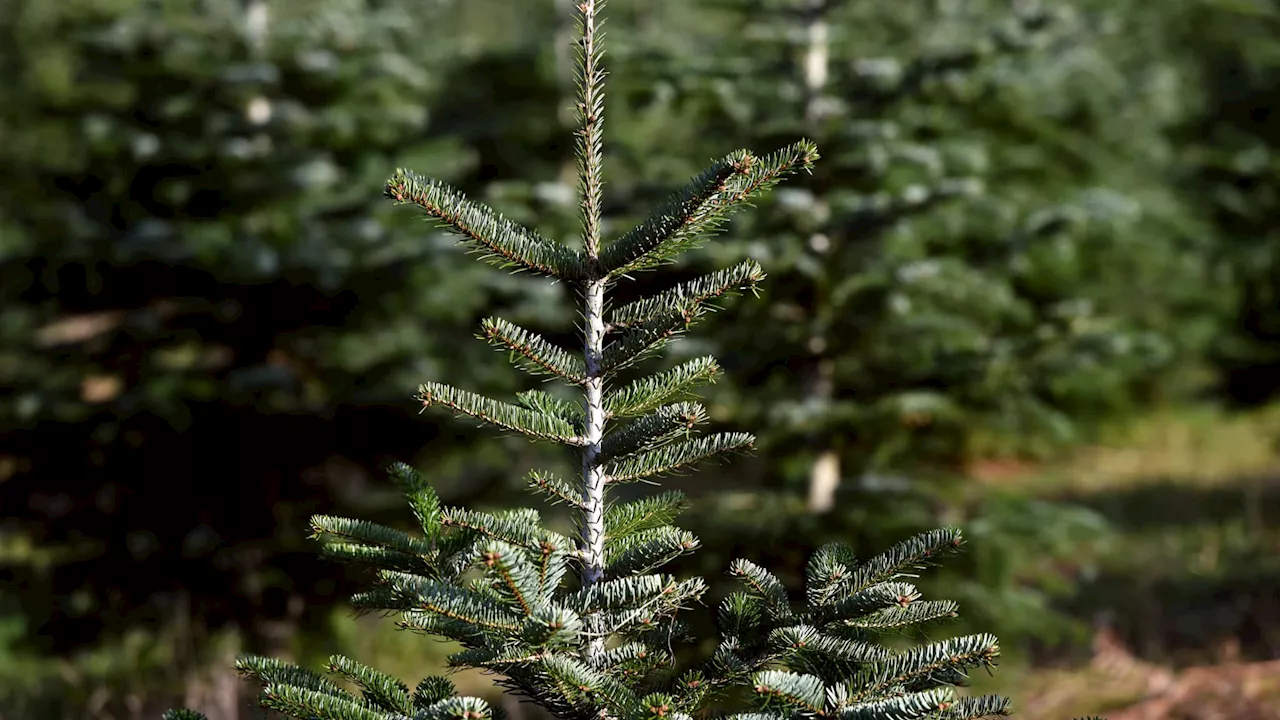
[1119, 686]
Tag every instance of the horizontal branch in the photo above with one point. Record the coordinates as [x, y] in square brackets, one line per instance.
[500, 414]
[641, 341]
[653, 430]
[688, 298]
[502, 242]
[676, 457]
[650, 393]
[539, 356]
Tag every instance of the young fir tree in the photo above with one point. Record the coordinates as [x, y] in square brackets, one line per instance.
[1236, 179]
[952, 266]
[195, 257]
[586, 627]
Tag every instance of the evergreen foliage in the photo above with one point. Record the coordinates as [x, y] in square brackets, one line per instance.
[1237, 175]
[977, 257]
[601, 644]
[197, 271]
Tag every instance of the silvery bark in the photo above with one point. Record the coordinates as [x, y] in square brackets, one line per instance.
[824, 473]
[590, 108]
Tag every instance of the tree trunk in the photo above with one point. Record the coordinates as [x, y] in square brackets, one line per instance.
[824, 474]
[258, 110]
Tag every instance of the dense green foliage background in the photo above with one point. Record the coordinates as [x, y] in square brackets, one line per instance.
[1031, 223]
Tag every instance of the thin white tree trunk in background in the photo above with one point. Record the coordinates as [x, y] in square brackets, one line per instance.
[824, 473]
[256, 19]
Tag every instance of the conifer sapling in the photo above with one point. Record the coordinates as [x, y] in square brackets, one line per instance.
[585, 626]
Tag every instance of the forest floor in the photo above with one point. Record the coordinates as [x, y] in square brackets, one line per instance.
[1184, 581]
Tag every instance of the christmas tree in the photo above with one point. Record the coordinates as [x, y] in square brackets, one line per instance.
[197, 273]
[586, 627]
[970, 270]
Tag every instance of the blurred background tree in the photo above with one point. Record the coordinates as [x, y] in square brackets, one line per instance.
[209, 319]
[1234, 137]
[978, 267]
[992, 260]
[1037, 259]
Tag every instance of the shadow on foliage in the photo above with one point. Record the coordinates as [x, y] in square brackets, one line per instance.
[1192, 573]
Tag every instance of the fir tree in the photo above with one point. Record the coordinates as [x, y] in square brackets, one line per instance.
[1236, 64]
[586, 627]
[196, 257]
[970, 260]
